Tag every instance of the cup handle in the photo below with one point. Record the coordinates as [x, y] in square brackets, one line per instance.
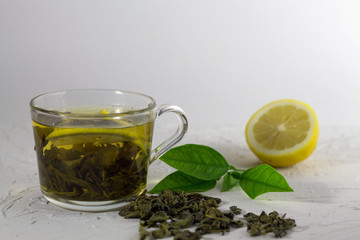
[177, 136]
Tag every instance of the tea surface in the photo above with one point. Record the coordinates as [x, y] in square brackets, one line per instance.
[92, 160]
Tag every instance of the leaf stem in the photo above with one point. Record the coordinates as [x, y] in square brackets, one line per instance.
[235, 169]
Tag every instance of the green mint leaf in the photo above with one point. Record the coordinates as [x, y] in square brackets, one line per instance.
[262, 179]
[181, 181]
[198, 161]
[236, 175]
[229, 182]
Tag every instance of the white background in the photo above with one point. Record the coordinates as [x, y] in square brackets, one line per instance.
[219, 60]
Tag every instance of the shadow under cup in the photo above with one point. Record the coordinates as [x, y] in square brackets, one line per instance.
[94, 146]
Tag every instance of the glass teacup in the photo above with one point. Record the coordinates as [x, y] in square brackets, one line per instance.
[94, 146]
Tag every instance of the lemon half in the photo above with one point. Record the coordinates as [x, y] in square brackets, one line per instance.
[283, 132]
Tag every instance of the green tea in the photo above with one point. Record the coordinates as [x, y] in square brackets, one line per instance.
[92, 160]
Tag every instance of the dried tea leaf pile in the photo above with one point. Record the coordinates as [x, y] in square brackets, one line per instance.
[172, 213]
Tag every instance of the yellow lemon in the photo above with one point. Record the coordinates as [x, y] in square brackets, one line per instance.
[103, 111]
[283, 132]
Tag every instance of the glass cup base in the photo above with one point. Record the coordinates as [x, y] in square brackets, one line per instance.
[87, 206]
[91, 206]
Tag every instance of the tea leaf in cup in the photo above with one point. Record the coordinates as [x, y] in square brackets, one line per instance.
[198, 161]
[262, 179]
[92, 164]
[181, 181]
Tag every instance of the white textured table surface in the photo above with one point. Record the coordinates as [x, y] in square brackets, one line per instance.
[325, 202]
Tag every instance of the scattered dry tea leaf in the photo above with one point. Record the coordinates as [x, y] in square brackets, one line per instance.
[266, 223]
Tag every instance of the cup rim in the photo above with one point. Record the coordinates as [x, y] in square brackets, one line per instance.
[150, 107]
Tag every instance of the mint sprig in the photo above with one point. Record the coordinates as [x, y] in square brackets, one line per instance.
[200, 167]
